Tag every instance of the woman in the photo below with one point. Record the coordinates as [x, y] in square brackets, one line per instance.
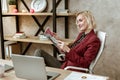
[83, 50]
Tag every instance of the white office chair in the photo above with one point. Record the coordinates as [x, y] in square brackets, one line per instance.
[101, 35]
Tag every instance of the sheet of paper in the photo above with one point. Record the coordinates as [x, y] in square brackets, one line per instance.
[84, 76]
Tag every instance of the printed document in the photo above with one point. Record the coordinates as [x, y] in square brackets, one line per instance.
[84, 76]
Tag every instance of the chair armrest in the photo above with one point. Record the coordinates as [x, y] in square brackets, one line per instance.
[77, 68]
[61, 57]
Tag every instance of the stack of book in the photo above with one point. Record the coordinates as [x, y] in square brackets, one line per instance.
[19, 35]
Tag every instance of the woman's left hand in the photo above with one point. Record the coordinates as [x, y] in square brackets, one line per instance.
[62, 46]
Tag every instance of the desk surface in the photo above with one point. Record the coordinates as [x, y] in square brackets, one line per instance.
[10, 75]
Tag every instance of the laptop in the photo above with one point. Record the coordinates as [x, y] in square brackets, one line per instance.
[31, 68]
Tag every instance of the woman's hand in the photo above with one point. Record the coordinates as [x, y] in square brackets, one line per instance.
[63, 47]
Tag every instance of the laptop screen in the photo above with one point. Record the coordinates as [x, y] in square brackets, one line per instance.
[31, 67]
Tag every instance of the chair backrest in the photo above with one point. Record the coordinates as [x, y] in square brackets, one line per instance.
[101, 35]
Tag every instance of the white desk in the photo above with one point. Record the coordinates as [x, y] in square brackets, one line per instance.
[10, 75]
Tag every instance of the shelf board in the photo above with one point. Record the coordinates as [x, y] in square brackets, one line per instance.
[29, 14]
[38, 14]
[34, 39]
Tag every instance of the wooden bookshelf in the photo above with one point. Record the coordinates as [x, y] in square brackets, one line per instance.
[54, 14]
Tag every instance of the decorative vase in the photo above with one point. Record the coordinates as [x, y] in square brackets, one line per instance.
[4, 6]
[11, 8]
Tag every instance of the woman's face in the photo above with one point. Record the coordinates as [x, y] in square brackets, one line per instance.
[81, 23]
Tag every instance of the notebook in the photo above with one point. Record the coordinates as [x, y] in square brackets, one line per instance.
[49, 34]
[8, 67]
[31, 68]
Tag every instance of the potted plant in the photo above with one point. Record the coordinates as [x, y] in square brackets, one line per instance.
[12, 5]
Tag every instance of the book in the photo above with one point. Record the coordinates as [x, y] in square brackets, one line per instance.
[19, 35]
[50, 36]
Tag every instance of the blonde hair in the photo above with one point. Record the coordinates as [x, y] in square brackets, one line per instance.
[89, 17]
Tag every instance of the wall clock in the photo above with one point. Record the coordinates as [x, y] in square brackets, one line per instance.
[38, 5]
